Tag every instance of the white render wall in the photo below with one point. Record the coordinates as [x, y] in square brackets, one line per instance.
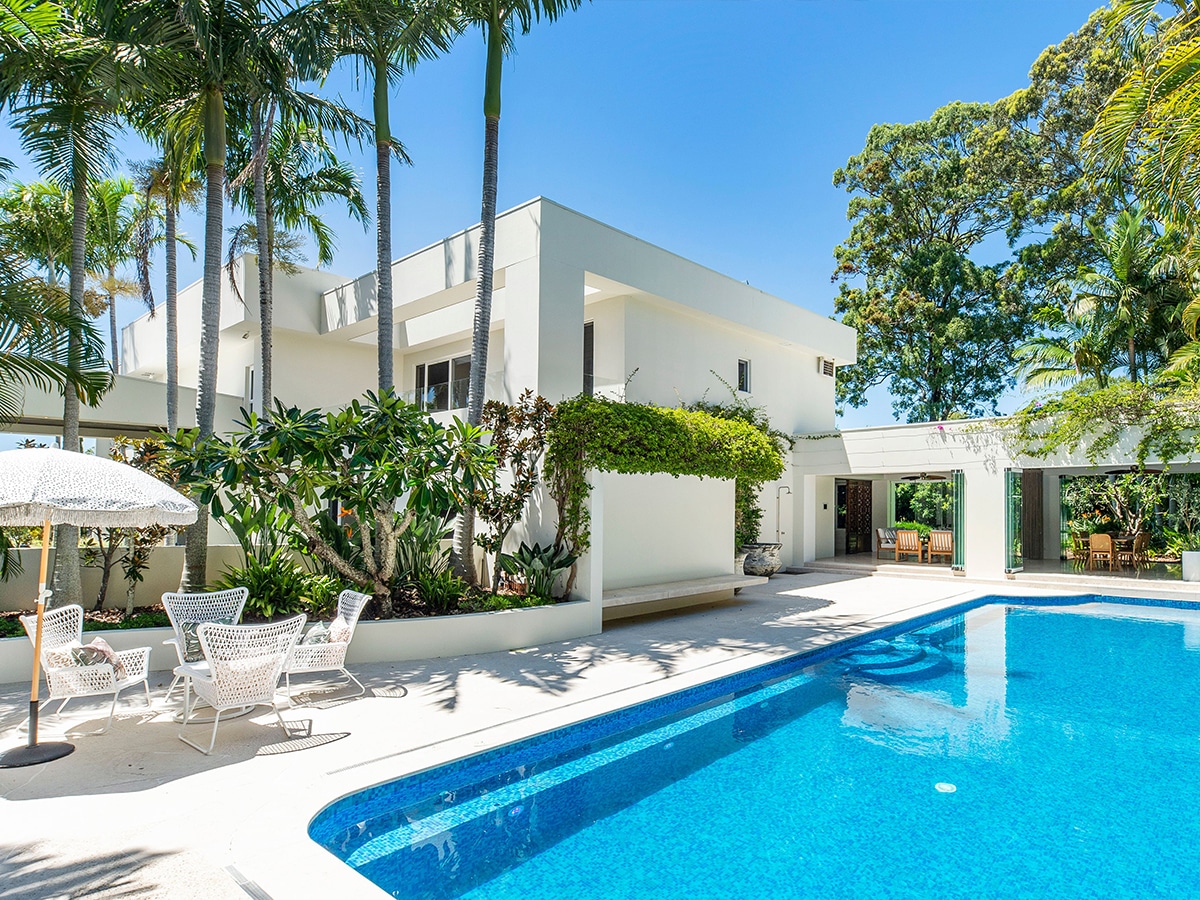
[659, 528]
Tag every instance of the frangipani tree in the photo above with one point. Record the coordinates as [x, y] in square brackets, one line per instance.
[381, 459]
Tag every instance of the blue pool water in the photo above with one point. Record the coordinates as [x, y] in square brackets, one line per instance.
[1006, 752]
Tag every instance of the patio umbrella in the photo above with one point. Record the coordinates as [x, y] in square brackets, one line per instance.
[56, 487]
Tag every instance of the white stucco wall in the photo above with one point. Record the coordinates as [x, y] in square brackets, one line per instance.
[658, 528]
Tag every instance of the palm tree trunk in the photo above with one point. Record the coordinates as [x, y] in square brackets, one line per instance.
[112, 325]
[464, 533]
[67, 588]
[383, 227]
[265, 298]
[195, 572]
[1132, 361]
[172, 323]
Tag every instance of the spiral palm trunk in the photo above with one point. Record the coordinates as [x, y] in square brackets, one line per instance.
[464, 534]
[172, 323]
[1132, 361]
[266, 308]
[66, 585]
[195, 573]
[383, 220]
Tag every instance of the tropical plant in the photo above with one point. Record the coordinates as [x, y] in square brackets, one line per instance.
[121, 230]
[538, 567]
[441, 591]
[1153, 117]
[1074, 346]
[519, 442]
[499, 21]
[66, 73]
[919, 527]
[370, 457]
[386, 39]
[280, 586]
[35, 225]
[419, 551]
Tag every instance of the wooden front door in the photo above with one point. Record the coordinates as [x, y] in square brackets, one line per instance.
[858, 517]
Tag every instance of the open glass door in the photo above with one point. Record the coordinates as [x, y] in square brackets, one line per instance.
[960, 519]
[1013, 559]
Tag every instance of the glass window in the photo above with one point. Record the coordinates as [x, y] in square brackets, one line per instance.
[589, 359]
[744, 375]
[444, 385]
[462, 381]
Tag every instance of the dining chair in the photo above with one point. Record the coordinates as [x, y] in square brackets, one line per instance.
[908, 543]
[941, 543]
[1100, 550]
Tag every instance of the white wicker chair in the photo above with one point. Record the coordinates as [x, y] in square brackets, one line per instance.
[331, 656]
[242, 665]
[194, 609]
[64, 626]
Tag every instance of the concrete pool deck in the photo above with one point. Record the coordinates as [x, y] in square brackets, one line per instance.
[136, 813]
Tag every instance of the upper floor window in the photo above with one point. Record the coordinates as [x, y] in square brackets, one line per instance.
[743, 382]
[443, 385]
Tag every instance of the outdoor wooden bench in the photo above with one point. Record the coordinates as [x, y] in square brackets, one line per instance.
[671, 590]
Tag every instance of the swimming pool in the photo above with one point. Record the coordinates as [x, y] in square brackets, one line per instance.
[1030, 750]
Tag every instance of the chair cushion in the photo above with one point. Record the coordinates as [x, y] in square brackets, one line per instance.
[318, 634]
[101, 646]
[62, 656]
[192, 651]
[339, 631]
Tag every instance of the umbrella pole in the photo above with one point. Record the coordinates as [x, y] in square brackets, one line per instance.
[36, 753]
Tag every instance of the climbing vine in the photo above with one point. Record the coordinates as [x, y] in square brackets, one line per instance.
[1164, 423]
[637, 438]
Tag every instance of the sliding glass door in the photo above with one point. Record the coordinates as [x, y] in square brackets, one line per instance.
[1013, 559]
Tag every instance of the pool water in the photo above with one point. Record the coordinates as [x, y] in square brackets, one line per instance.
[1010, 751]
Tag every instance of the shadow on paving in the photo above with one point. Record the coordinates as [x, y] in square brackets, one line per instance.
[32, 872]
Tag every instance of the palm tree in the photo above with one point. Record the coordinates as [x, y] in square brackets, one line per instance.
[499, 21]
[1074, 347]
[385, 39]
[300, 174]
[35, 224]
[1136, 286]
[1152, 121]
[120, 221]
[36, 328]
[64, 79]
[175, 183]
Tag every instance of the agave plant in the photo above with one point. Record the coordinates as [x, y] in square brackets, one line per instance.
[538, 567]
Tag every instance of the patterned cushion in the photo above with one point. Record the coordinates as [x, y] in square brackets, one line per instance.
[62, 656]
[108, 655]
[339, 631]
[192, 651]
[318, 634]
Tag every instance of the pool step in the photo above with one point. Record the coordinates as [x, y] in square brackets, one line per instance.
[897, 661]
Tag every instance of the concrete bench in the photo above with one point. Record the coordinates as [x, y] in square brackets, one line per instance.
[671, 590]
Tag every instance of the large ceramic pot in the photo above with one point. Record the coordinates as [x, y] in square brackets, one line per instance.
[739, 562]
[762, 559]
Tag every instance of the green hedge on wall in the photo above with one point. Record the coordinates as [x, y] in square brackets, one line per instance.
[636, 438]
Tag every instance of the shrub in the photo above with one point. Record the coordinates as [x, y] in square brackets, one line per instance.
[441, 591]
[152, 619]
[497, 602]
[923, 530]
[280, 586]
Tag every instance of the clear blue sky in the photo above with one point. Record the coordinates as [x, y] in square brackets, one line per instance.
[709, 127]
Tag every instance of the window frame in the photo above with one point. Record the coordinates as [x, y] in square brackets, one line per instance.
[423, 383]
[749, 382]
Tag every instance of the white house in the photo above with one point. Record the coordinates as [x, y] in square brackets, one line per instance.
[579, 306]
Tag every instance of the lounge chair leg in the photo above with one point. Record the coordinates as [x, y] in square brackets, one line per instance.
[171, 686]
[62, 706]
[361, 690]
[111, 709]
[282, 724]
[212, 740]
[146, 685]
[287, 680]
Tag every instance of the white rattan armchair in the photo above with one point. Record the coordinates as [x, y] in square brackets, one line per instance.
[329, 656]
[242, 665]
[63, 628]
[187, 611]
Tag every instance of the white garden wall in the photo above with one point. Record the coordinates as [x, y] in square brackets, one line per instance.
[166, 567]
[659, 528]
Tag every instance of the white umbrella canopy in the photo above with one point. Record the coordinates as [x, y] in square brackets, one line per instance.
[62, 488]
[42, 486]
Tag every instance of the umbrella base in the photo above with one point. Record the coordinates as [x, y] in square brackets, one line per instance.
[35, 755]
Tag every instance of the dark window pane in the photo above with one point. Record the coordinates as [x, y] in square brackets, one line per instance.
[419, 392]
[589, 359]
[461, 383]
[439, 386]
[744, 375]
